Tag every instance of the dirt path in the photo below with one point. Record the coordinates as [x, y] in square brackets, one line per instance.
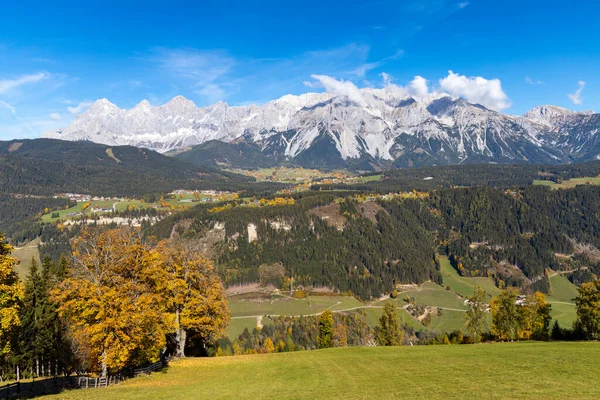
[554, 273]
[337, 311]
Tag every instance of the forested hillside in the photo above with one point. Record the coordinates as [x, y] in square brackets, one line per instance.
[47, 167]
[494, 175]
[365, 245]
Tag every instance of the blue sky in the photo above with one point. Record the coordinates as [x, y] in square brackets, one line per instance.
[57, 57]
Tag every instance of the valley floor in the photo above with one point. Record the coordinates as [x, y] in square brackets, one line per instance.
[534, 370]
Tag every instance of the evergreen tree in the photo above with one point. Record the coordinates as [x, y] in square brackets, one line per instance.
[557, 332]
[390, 333]
[325, 338]
[43, 344]
[29, 341]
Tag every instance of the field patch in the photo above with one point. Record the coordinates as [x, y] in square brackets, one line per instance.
[462, 285]
[24, 254]
[110, 153]
[569, 183]
[562, 293]
[554, 370]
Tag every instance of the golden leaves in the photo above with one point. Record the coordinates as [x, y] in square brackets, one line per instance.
[11, 292]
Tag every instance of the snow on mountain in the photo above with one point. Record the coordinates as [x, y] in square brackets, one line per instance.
[386, 125]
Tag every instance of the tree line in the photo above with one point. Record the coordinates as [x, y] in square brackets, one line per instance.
[118, 303]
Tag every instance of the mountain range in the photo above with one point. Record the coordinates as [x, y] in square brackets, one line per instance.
[376, 129]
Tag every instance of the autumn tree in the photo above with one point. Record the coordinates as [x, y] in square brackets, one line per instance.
[110, 301]
[11, 292]
[476, 314]
[325, 338]
[588, 309]
[535, 317]
[389, 333]
[194, 294]
[269, 346]
[506, 315]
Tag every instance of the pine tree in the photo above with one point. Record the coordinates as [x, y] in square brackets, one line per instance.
[29, 343]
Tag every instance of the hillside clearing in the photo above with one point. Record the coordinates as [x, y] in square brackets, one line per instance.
[462, 285]
[24, 254]
[569, 183]
[493, 371]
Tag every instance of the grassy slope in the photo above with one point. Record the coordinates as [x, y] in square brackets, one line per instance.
[244, 313]
[491, 371]
[464, 286]
[428, 294]
[562, 294]
[569, 183]
[24, 255]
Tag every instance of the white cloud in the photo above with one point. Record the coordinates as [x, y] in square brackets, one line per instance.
[487, 92]
[212, 92]
[387, 78]
[362, 70]
[532, 81]
[206, 69]
[311, 84]
[576, 97]
[56, 116]
[64, 101]
[418, 87]
[463, 5]
[341, 87]
[11, 108]
[9, 84]
[80, 107]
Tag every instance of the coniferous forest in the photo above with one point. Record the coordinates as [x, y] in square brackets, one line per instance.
[511, 235]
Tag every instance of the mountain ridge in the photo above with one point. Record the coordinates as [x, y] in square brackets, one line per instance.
[386, 127]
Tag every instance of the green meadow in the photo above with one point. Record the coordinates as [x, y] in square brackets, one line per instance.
[449, 297]
[527, 370]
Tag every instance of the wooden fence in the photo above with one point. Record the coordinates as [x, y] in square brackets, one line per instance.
[56, 385]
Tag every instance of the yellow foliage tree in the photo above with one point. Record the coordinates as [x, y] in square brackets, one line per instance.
[11, 292]
[269, 346]
[110, 301]
[195, 295]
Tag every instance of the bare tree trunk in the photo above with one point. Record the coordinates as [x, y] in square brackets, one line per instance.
[18, 373]
[180, 337]
[104, 366]
[37, 367]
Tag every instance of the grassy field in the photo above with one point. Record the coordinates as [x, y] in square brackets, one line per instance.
[561, 289]
[24, 255]
[464, 286]
[492, 371]
[289, 175]
[570, 183]
[178, 201]
[244, 312]
[562, 293]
